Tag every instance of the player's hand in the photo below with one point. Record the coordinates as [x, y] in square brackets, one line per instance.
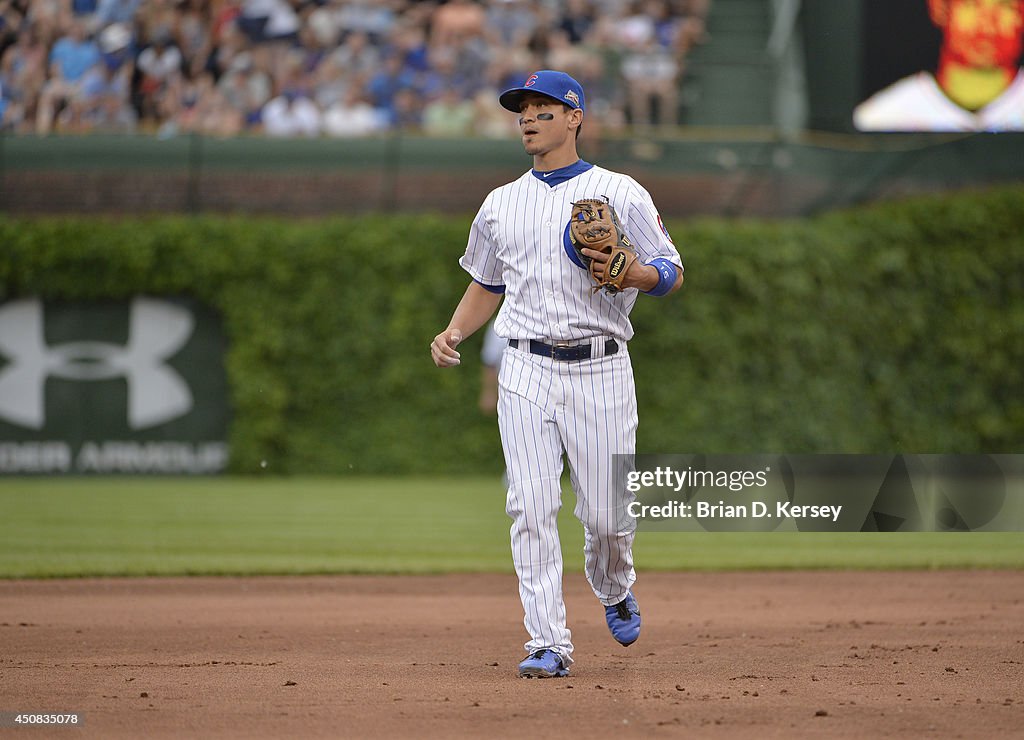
[442, 349]
[600, 259]
[638, 275]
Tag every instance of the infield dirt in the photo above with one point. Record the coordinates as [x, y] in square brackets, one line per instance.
[722, 655]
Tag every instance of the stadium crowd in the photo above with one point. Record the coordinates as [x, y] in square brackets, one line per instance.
[343, 68]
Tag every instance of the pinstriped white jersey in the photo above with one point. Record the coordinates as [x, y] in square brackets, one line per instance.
[518, 240]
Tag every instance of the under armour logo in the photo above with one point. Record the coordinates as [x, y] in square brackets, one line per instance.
[156, 392]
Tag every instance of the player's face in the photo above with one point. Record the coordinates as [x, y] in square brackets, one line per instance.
[544, 124]
[984, 33]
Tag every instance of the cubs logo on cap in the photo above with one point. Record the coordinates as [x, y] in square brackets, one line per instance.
[554, 84]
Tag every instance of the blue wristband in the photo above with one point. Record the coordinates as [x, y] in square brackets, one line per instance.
[666, 276]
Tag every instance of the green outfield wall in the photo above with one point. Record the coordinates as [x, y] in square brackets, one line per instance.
[690, 171]
[890, 328]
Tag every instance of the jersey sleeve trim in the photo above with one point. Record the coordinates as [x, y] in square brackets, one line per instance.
[498, 289]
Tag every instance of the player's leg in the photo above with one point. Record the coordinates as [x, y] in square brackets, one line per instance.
[599, 421]
[533, 458]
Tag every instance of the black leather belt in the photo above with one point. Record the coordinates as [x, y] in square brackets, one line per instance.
[565, 353]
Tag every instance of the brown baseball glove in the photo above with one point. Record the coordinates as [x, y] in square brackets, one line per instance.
[595, 225]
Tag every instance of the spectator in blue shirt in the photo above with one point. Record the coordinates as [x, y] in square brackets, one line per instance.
[386, 85]
[72, 56]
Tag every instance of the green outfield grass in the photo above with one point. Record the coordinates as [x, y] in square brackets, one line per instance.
[79, 527]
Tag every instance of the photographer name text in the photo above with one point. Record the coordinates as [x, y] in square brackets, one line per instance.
[722, 510]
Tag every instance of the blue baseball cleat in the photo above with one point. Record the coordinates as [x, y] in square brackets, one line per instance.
[624, 620]
[543, 664]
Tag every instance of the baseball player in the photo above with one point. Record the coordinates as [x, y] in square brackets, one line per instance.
[566, 383]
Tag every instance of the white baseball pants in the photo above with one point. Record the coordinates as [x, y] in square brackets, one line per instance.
[586, 409]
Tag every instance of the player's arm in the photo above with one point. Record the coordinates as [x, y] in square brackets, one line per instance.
[658, 272]
[647, 277]
[640, 276]
[477, 306]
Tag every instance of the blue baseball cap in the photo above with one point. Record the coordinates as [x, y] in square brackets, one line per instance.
[557, 85]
